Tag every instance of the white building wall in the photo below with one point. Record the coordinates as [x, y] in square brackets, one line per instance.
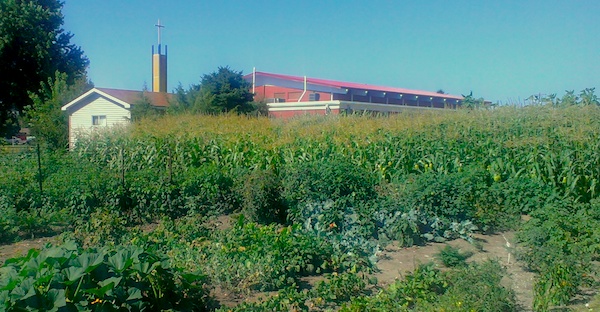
[80, 120]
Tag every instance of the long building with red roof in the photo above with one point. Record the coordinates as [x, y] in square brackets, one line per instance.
[287, 96]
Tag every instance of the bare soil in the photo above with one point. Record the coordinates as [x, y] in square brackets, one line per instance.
[394, 263]
[21, 248]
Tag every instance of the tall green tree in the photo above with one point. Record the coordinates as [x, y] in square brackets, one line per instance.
[33, 46]
[223, 91]
[143, 108]
[47, 121]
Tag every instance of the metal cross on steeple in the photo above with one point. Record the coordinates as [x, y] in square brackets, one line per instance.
[159, 26]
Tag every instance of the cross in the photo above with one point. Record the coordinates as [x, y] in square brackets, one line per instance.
[159, 26]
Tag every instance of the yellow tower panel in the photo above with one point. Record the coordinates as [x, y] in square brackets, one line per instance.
[159, 73]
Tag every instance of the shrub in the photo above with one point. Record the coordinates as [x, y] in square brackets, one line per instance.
[450, 197]
[261, 197]
[9, 226]
[208, 190]
[560, 241]
[326, 179]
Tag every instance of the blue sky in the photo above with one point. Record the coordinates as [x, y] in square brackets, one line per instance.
[501, 50]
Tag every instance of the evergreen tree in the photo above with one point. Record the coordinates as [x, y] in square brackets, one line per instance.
[224, 91]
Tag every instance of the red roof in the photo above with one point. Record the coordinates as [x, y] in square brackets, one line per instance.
[160, 99]
[352, 85]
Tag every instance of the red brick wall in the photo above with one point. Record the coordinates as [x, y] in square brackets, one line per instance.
[289, 94]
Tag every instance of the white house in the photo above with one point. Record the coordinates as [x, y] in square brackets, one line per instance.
[101, 107]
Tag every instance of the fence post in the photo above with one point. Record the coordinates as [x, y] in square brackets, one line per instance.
[122, 169]
[39, 159]
[170, 165]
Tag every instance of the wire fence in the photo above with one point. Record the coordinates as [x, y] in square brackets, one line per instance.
[29, 149]
[17, 148]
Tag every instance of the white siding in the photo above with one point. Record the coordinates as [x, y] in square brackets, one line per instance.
[80, 119]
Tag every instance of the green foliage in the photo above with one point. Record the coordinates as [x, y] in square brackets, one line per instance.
[250, 256]
[323, 179]
[222, 91]
[66, 277]
[341, 225]
[470, 102]
[9, 222]
[287, 299]
[349, 185]
[142, 108]
[452, 257]
[44, 116]
[325, 295]
[473, 288]
[103, 228]
[339, 288]
[425, 283]
[39, 219]
[33, 46]
[477, 287]
[561, 240]
[588, 97]
[261, 197]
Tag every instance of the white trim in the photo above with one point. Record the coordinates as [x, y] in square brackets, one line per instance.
[94, 90]
[341, 105]
[303, 106]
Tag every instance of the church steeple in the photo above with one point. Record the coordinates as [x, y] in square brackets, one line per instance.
[159, 65]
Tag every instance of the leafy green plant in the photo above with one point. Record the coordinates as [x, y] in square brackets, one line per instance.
[338, 288]
[324, 179]
[475, 287]
[328, 294]
[452, 257]
[426, 283]
[66, 277]
[254, 257]
[561, 240]
[104, 227]
[261, 197]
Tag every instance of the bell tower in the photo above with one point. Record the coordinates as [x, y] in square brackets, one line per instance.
[159, 65]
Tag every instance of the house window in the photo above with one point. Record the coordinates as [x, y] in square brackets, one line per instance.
[99, 120]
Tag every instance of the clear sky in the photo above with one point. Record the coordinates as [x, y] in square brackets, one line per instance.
[501, 50]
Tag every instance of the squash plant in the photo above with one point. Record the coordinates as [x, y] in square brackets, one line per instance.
[68, 278]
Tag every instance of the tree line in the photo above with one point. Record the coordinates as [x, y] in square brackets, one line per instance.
[41, 70]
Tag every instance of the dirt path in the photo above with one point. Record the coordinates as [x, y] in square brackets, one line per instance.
[395, 262]
[21, 248]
